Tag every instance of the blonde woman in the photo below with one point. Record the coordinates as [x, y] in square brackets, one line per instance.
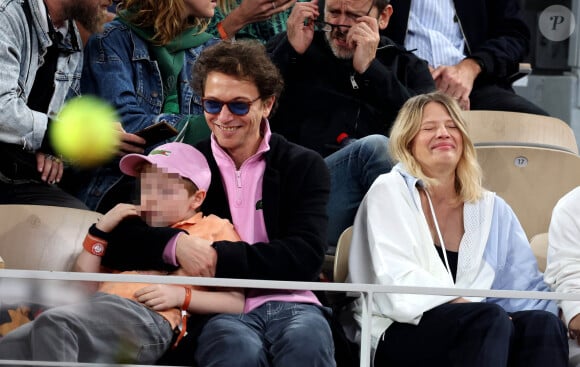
[430, 223]
[142, 64]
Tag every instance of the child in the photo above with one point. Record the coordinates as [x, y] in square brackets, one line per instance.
[134, 322]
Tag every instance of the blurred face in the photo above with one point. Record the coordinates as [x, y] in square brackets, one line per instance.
[439, 144]
[238, 134]
[200, 8]
[346, 13]
[91, 14]
[164, 198]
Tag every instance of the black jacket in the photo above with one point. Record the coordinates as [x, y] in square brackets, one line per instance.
[324, 96]
[295, 193]
[494, 32]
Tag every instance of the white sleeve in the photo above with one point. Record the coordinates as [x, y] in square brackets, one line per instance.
[392, 245]
[563, 265]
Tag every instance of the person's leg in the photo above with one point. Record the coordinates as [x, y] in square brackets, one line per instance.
[298, 335]
[16, 344]
[105, 328]
[37, 194]
[493, 97]
[232, 340]
[454, 334]
[539, 340]
[353, 169]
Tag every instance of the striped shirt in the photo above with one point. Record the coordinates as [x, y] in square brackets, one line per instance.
[434, 33]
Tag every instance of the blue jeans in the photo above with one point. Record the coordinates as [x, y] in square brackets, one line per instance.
[277, 334]
[353, 169]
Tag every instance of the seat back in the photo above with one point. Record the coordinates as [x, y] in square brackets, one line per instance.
[341, 256]
[539, 245]
[530, 179]
[39, 237]
[501, 128]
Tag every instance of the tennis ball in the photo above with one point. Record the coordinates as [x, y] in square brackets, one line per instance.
[84, 131]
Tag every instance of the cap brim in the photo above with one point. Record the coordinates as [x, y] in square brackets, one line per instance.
[130, 162]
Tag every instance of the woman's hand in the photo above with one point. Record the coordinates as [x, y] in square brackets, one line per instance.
[252, 11]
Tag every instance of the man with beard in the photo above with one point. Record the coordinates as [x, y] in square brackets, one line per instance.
[40, 66]
[344, 81]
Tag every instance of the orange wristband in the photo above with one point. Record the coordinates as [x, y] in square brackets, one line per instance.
[187, 299]
[222, 31]
[184, 308]
[94, 245]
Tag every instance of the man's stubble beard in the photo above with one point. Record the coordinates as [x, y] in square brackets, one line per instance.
[339, 52]
[88, 13]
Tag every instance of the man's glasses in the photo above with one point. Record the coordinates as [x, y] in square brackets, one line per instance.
[238, 108]
[323, 26]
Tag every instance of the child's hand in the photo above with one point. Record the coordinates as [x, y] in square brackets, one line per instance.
[160, 297]
[114, 216]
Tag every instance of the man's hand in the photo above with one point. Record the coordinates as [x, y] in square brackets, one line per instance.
[364, 38]
[114, 216]
[457, 80]
[50, 167]
[300, 25]
[196, 256]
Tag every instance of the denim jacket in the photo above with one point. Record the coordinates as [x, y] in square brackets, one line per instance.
[119, 68]
[23, 46]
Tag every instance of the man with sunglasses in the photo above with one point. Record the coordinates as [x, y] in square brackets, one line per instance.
[275, 193]
[343, 81]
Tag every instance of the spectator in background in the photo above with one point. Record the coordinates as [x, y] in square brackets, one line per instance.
[430, 223]
[255, 19]
[39, 40]
[472, 47]
[343, 82]
[142, 64]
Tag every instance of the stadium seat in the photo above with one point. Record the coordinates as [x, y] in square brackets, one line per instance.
[341, 256]
[530, 179]
[38, 237]
[539, 245]
[501, 128]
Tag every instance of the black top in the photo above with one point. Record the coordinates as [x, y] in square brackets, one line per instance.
[452, 258]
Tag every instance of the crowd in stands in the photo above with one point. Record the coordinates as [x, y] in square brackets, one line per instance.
[295, 119]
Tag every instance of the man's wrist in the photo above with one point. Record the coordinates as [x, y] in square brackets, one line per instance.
[479, 62]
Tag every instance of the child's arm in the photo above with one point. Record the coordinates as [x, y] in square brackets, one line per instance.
[90, 261]
[161, 297]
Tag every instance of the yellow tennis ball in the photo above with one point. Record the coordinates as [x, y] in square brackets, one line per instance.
[84, 131]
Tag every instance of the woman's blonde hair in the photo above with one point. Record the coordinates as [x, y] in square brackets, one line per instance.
[164, 16]
[407, 125]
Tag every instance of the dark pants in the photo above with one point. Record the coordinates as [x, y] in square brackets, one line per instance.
[37, 194]
[476, 335]
[493, 97]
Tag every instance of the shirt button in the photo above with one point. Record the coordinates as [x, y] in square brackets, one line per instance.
[154, 94]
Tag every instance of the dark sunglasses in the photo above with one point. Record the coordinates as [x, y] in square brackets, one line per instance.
[238, 108]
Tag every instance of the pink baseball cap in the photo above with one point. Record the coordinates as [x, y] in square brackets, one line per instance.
[179, 158]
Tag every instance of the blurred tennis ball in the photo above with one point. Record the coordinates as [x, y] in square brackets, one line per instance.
[85, 131]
